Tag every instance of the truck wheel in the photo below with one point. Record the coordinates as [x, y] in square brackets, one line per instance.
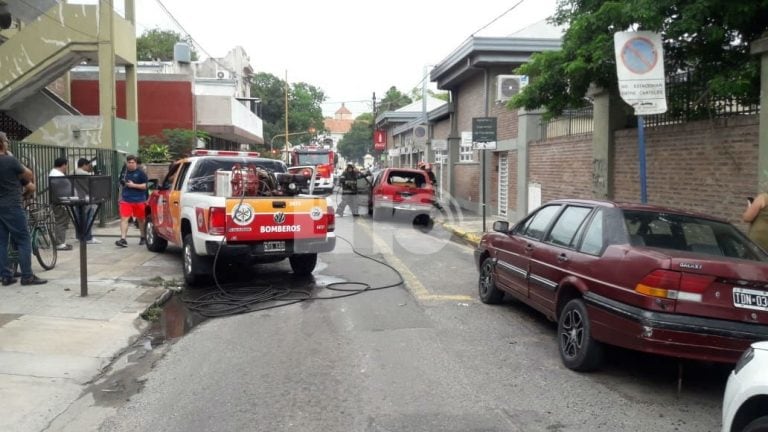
[155, 243]
[302, 265]
[196, 268]
[578, 350]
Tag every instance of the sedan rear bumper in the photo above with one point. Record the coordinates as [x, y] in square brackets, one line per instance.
[674, 335]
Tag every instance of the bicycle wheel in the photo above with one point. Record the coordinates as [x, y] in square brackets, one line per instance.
[43, 247]
[13, 258]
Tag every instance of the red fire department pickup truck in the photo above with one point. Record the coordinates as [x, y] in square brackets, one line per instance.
[240, 207]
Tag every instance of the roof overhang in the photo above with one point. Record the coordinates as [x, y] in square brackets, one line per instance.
[482, 52]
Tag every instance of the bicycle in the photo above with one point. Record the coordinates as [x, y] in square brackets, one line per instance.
[40, 224]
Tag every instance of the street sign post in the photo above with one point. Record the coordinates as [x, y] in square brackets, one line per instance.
[640, 71]
[484, 133]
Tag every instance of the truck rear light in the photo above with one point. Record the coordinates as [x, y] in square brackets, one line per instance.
[217, 220]
[331, 216]
[674, 285]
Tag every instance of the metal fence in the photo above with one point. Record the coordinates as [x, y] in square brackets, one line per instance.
[40, 158]
[688, 100]
[571, 122]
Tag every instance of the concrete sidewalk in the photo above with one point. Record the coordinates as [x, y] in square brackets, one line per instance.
[53, 341]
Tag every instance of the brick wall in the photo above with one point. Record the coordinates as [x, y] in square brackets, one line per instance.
[563, 167]
[707, 166]
[467, 182]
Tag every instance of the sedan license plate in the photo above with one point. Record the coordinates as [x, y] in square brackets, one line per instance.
[274, 246]
[750, 299]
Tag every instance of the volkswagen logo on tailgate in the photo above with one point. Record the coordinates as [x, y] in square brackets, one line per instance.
[279, 218]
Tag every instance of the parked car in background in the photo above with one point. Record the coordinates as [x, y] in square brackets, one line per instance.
[406, 192]
[745, 404]
[646, 278]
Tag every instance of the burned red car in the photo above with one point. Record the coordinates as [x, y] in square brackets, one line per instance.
[641, 277]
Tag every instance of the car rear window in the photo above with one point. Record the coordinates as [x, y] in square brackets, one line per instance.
[407, 179]
[689, 233]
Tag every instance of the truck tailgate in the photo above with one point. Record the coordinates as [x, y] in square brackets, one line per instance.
[276, 218]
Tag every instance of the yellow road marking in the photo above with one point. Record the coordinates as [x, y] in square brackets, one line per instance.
[412, 282]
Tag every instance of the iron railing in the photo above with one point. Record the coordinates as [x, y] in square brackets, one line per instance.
[40, 158]
[570, 122]
[688, 100]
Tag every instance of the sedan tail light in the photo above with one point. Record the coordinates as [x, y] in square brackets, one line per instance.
[674, 285]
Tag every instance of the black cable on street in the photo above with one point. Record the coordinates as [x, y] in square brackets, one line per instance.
[238, 298]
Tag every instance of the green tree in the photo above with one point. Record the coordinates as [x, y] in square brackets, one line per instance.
[393, 100]
[359, 140]
[710, 37]
[304, 107]
[157, 44]
[416, 94]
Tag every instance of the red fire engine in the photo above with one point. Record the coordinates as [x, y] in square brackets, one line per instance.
[322, 158]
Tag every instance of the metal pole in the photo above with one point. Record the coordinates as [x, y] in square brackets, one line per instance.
[80, 228]
[641, 156]
[287, 160]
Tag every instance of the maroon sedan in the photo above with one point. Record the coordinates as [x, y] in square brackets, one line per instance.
[642, 277]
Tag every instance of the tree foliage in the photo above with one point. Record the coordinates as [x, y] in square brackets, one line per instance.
[708, 37]
[359, 140]
[393, 100]
[416, 94]
[177, 142]
[304, 108]
[157, 44]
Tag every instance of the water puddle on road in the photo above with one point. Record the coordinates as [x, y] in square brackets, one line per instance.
[171, 320]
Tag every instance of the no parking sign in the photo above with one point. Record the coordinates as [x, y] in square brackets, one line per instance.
[640, 69]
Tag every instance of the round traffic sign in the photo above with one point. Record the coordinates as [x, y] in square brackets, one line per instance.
[639, 55]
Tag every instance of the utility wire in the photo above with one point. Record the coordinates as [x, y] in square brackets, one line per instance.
[181, 27]
[472, 35]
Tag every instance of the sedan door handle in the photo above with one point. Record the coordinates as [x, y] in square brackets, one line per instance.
[562, 257]
[175, 203]
[528, 247]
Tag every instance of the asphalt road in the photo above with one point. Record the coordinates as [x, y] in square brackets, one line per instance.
[424, 356]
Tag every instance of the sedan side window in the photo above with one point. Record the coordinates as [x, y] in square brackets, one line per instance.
[594, 242]
[568, 225]
[540, 221]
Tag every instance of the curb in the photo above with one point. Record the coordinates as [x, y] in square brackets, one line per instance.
[471, 238]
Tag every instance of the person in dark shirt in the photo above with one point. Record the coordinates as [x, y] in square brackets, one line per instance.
[348, 181]
[133, 199]
[13, 219]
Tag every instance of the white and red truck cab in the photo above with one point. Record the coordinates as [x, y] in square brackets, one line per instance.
[237, 207]
[324, 161]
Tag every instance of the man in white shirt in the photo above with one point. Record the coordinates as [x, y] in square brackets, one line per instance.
[60, 215]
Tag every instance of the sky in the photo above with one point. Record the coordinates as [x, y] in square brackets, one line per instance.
[347, 48]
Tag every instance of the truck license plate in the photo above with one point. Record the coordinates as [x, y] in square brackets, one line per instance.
[274, 246]
[750, 299]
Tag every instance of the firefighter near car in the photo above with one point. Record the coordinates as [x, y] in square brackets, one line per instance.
[348, 180]
[322, 158]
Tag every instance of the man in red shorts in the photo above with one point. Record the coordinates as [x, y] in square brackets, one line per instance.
[133, 199]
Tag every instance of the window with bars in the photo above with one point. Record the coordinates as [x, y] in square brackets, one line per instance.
[466, 153]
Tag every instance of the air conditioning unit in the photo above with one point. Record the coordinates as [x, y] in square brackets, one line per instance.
[509, 85]
[223, 74]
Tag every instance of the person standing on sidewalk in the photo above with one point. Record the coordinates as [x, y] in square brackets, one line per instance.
[132, 199]
[60, 216]
[13, 219]
[84, 167]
